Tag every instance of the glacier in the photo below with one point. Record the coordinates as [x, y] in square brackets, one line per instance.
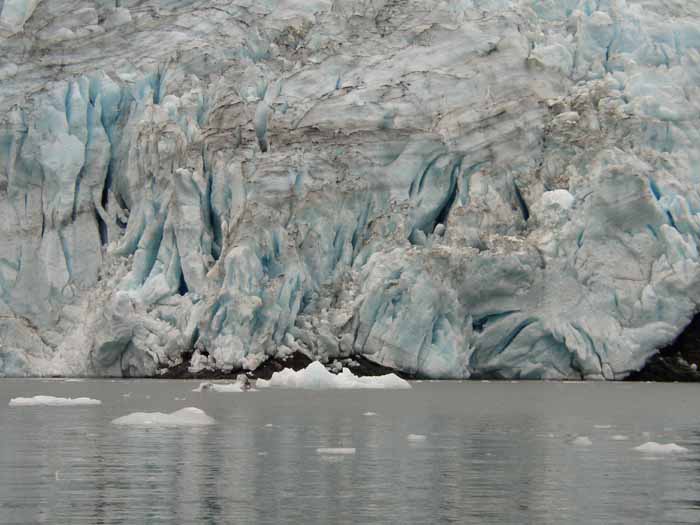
[448, 188]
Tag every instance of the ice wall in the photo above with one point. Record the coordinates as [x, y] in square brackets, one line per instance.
[452, 188]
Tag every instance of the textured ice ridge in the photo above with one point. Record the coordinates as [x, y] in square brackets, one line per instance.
[451, 188]
[51, 401]
[316, 377]
[185, 417]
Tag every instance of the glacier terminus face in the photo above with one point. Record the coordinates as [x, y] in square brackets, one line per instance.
[449, 188]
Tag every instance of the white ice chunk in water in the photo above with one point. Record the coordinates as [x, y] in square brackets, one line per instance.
[50, 401]
[216, 387]
[185, 417]
[651, 447]
[242, 384]
[582, 441]
[369, 414]
[316, 377]
[619, 437]
[335, 451]
[602, 427]
[416, 437]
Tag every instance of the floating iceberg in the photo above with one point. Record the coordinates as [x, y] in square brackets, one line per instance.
[416, 437]
[220, 387]
[619, 437]
[582, 441]
[316, 377]
[185, 417]
[335, 451]
[651, 447]
[51, 401]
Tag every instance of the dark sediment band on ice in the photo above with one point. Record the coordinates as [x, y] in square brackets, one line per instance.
[295, 361]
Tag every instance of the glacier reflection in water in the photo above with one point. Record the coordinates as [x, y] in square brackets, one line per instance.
[491, 453]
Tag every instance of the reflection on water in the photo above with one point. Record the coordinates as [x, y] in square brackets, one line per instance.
[493, 453]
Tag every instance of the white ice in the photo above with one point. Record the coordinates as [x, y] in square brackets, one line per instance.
[582, 441]
[416, 437]
[651, 447]
[51, 401]
[185, 417]
[316, 377]
[619, 437]
[219, 387]
[335, 451]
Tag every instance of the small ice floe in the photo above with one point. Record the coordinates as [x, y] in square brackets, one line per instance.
[602, 427]
[316, 377]
[651, 447]
[269, 425]
[128, 394]
[619, 437]
[415, 438]
[262, 453]
[242, 384]
[368, 414]
[582, 441]
[50, 401]
[217, 387]
[180, 399]
[185, 417]
[74, 380]
[335, 451]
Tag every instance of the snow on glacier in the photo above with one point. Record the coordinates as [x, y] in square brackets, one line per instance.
[51, 401]
[317, 377]
[454, 189]
[185, 417]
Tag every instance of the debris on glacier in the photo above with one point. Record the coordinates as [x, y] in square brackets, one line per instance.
[317, 377]
[651, 447]
[51, 401]
[185, 417]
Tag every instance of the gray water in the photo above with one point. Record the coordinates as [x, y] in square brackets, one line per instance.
[493, 453]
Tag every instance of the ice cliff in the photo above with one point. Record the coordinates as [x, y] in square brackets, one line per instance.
[450, 188]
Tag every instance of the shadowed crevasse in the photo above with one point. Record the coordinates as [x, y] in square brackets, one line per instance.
[675, 361]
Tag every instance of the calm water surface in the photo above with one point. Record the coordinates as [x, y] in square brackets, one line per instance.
[493, 453]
